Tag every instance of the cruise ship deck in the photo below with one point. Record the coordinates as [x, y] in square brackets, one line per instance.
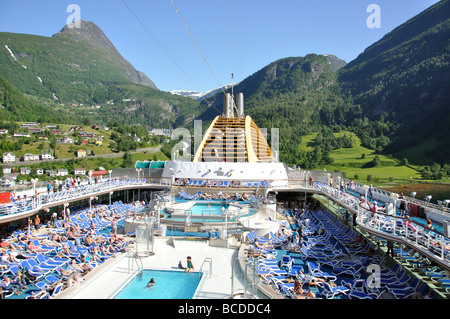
[274, 226]
[108, 281]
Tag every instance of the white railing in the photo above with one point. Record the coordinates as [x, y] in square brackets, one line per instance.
[38, 201]
[416, 235]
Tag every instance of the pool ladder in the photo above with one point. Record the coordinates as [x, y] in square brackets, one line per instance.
[134, 258]
[209, 261]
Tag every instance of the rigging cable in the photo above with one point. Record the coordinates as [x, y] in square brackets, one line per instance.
[198, 48]
[154, 39]
[162, 48]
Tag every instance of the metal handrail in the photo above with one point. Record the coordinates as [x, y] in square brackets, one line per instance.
[206, 260]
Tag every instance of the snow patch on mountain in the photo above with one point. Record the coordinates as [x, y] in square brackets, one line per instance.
[201, 95]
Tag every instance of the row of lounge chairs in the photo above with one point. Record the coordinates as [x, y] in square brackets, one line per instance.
[396, 281]
[46, 266]
[225, 183]
[217, 196]
[281, 273]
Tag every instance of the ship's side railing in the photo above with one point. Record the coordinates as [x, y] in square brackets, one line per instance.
[35, 202]
[407, 231]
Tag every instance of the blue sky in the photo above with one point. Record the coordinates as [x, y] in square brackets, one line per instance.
[238, 37]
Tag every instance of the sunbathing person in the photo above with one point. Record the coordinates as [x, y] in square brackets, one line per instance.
[14, 255]
[66, 250]
[263, 245]
[299, 293]
[79, 268]
[8, 285]
[57, 238]
[34, 249]
[4, 261]
[50, 242]
[251, 253]
[85, 265]
[70, 277]
[20, 281]
[88, 240]
[107, 250]
[37, 295]
[95, 254]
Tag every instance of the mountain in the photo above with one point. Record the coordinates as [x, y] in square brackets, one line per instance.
[67, 66]
[90, 33]
[395, 95]
[297, 95]
[405, 78]
[78, 68]
[15, 106]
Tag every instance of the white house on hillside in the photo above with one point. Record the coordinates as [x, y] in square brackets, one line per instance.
[62, 172]
[80, 171]
[47, 155]
[9, 157]
[30, 157]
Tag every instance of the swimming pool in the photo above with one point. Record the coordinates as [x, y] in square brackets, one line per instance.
[209, 208]
[170, 284]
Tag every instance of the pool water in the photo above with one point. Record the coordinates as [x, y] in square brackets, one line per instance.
[169, 285]
[208, 208]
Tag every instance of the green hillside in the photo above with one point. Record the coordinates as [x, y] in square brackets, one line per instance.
[15, 106]
[357, 162]
[394, 96]
[79, 72]
[391, 103]
[405, 77]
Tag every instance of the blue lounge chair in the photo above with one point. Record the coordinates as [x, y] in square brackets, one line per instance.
[52, 279]
[286, 261]
[77, 249]
[53, 260]
[363, 295]
[314, 269]
[391, 272]
[57, 290]
[330, 292]
[252, 236]
[278, 240]
[354, 271]
[41, 285]
[271, 271]
[35, 265]
[45, 248]
[38, 273]
[401, 277]
[278, 280]
[405, 291]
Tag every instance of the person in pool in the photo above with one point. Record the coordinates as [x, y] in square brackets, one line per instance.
[151, 283]
[190, 266]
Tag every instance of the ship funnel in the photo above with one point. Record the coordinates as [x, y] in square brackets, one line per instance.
[227, 106]
[240, 104]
